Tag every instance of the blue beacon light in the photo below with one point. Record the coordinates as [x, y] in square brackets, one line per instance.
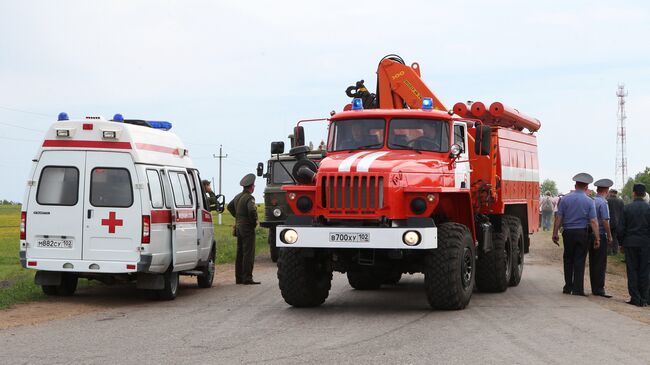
[118, 118]
[63, 116]
[160, 125]
[357, 104]
[427, 104]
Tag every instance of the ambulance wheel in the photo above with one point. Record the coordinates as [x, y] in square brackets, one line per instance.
[450, 269]
[207, 277]
[68, 285]
[517, 239]
[364, 280]
[494, 268]
[273, 249]
[304, 281]
[50, 290]
[171, 286]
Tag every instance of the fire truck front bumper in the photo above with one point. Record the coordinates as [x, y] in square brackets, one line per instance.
[424, 238]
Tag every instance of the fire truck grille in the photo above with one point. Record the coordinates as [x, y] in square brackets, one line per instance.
[352, 192]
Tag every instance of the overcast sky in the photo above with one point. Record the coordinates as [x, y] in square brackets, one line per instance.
[241, 73]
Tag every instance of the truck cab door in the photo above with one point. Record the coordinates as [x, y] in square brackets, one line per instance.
[184, 229]
[462, 171]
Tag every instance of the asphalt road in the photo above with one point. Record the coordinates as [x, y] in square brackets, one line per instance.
[531, 324]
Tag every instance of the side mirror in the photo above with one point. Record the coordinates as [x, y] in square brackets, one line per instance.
[221, 203]
[260, 169]
[483, 140]
[277, 148]
[299, 135]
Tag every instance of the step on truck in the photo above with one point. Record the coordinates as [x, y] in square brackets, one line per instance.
[407, 187]
[115, 200]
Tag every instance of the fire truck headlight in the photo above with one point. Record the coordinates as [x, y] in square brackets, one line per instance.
[455, 150]
[292, 196]
[418, 205]
[289, 236]
[277, 212]
[411, 238]
[304, 204]
[431, 198]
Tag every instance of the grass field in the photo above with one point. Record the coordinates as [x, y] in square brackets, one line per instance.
[17, 284]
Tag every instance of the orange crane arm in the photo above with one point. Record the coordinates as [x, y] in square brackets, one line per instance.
[399, 86]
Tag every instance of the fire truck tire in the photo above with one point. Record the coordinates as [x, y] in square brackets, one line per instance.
[450, 269]
[273, 249]
[303, 281]
[68, 285]
[517, 239]
[494, 268]
[392, 278]
[207, 277]
[171, 286]
[364, 280]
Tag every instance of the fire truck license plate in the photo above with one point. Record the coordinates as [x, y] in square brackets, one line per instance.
[349, 237]
[49, 243]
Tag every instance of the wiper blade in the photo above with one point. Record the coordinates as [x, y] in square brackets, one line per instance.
[374, 145]
[406, 147]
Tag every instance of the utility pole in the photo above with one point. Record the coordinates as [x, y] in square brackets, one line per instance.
[621, 135]
[221, 156]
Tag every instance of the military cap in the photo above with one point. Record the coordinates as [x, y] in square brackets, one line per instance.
[604, 183]
[584, 178]
[205, 182]
[247, 180]
[639, 188]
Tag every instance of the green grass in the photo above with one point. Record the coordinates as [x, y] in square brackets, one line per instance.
[17, 284]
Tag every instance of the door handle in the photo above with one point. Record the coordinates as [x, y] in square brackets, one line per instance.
[90, 213]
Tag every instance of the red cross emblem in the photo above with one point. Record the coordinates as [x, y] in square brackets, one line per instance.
[112, 222]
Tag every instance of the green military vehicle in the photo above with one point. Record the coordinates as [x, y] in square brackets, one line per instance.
[278, 173]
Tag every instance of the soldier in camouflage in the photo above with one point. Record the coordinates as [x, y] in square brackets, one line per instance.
[242, 207]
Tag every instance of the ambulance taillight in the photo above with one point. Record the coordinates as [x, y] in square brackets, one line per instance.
[146, 229]
[23, 225]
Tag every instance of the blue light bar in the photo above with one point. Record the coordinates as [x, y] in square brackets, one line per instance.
[357, 104]
[160, 125]
[427, 104]
[118, 118]
[63, 116]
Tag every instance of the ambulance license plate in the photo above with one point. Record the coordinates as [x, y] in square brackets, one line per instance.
[50, 243]
[349, 237]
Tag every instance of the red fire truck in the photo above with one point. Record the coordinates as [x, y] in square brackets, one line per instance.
[409, 186]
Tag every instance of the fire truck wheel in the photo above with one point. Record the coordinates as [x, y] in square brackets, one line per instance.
[304, 281]
[517, 239]
[392, 278]
[272, 248]
[207, 277]
[171, 286]
[68, 285]
[493, 269]
[365, 280]
[450, 269]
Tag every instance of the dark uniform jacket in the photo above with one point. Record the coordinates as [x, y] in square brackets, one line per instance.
[242, 207]
[634, 226]
[615, 211]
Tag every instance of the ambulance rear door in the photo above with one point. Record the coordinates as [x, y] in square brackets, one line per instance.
[55, 206]
[112, 212]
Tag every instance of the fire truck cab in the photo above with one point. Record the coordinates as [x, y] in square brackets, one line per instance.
[115, 200]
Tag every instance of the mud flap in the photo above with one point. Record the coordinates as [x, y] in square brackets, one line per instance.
[150, 281]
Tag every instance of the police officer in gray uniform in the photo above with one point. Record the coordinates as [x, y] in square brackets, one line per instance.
[242, 207]
[575, 214]
[598, 255]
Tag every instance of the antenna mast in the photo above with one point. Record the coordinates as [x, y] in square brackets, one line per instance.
[621, 153]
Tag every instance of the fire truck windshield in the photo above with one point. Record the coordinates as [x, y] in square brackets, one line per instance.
[419, 134]
[355, 134]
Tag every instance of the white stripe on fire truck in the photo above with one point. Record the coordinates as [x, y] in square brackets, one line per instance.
[366, 161]
[519, 174]
[347, 163]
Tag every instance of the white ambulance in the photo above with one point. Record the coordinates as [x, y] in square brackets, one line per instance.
[113, 201]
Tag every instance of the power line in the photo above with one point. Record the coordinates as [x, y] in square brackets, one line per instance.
[49, 116]
[20, 139]
[21, 127]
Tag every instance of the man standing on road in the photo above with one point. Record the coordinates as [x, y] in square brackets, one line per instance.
[547, 211]
[575, 214]
[598, 255]
[634, 236]
[242, 207]
[615, 205]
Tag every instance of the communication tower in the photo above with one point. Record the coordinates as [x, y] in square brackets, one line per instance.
[621, 154]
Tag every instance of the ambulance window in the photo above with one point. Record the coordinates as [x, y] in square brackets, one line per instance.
[58, 185]
[181, 189]
[110, 187]
[155, 189]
